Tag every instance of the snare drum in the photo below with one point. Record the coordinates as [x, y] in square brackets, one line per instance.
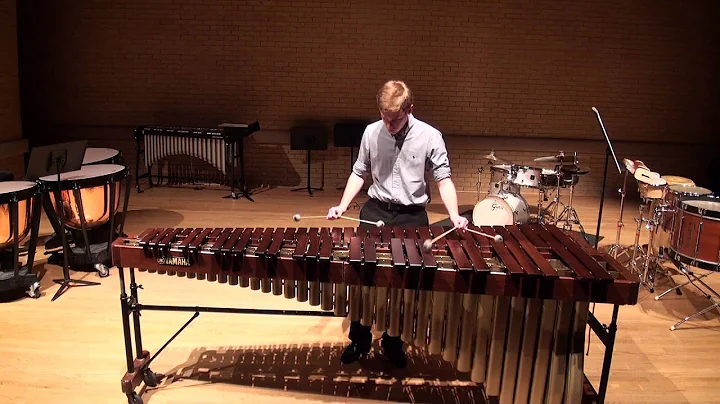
[101, 155]
[673, 194]
[16, 195]
[501, 210]
[501, 180]
[696, 232]
[88, 194]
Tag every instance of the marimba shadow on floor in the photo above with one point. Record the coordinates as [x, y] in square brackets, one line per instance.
[316, 369]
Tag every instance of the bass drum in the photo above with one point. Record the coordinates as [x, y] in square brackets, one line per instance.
[501, 209]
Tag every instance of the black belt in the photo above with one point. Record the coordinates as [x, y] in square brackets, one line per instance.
[394, 207]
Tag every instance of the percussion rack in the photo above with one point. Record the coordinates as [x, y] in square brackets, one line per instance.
[138, 359]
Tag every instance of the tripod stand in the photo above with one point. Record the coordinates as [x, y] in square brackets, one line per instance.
[711, 294]
[55, 160]
[569, 215]
[647, 270]
[616, 249]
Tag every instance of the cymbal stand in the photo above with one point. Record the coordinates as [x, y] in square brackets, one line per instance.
[479, 184]
[555, 204]
[616, 249]
[569, 215]
[692, 278]
[649, 257]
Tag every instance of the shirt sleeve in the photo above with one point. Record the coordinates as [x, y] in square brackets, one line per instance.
[439, 161]
[361, 168]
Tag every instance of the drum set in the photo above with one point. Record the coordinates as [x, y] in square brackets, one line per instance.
[83, 207]
[504, 204]
[683, 224]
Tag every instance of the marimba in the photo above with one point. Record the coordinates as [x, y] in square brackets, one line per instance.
[220, 147]
[511, 313]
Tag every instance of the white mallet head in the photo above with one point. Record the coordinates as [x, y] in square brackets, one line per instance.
[498, 238]
[296, 217]
[380, 223]
[427, 245]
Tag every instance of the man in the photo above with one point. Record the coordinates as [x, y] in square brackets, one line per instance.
[396, 150]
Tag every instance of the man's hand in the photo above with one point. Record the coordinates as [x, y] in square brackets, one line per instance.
[460, 222]
[335, 212]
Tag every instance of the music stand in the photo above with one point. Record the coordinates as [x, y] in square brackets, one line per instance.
[55, 160]
[349, 134]
[308, 138]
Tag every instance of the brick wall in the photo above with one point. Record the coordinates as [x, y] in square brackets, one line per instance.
[9, 92]
[518, 77]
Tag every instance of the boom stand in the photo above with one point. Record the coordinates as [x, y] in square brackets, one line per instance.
[608, 151]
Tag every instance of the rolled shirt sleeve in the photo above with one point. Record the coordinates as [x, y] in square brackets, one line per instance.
[361, 168]
[438, 156]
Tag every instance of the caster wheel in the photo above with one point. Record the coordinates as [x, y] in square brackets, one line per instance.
[103, 271]
[150, 378]
[136, 399]
[679, 293]
[34, 290]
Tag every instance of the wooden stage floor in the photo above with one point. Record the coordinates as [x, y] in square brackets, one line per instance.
[71, 350]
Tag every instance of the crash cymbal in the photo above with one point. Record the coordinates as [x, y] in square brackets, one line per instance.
[493, 157]
[560, 158]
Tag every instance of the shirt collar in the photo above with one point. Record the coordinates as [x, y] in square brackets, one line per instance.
[404, 132]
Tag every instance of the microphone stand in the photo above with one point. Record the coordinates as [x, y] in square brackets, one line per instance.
[608, 150]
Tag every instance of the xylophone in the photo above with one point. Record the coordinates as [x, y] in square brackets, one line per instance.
[220, 147]
[510, 310]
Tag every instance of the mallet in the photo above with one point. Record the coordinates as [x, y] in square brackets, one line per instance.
[427, 245]
[496, 237]
[379, 223]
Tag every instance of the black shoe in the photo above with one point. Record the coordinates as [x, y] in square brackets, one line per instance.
[393, 350]
[353, 352]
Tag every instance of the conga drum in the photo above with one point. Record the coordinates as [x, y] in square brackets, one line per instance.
[20, 203]
[696, 232]
[101, 155]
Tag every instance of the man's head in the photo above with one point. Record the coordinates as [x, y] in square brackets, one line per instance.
[395, 102]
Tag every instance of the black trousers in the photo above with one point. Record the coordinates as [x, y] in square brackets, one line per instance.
[392, 215]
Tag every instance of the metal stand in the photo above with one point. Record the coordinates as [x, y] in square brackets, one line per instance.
[608, 151]
[569, 215]
[236, 150]
[555, 205]
[693, 280]
[66, 282]
[616, 249]
[606, 335]
[647, 270]
[138, 362]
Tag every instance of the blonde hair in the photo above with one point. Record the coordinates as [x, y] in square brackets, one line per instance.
[394, 96]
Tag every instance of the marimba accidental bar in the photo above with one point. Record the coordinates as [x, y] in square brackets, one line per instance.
[511, 313]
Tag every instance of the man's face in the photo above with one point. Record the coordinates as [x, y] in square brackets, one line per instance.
[395, 121]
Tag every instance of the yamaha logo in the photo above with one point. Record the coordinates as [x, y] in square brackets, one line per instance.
[176, 261]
